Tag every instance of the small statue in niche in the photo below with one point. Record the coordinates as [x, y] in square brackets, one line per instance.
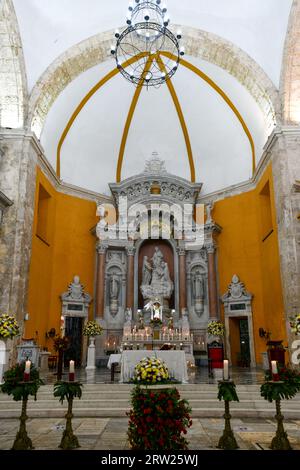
[114, 290]
[114, 286]
[128, 316]
[198, 292]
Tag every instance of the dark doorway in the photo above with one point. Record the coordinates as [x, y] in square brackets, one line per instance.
[244, 342]
[239, 341]
[73, 330]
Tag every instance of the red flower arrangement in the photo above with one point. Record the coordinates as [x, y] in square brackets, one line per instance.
[159, 420]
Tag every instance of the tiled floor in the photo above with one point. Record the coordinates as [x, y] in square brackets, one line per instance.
[241, 376]
[111, 434]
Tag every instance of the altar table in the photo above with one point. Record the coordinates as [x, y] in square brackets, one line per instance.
[174, 360]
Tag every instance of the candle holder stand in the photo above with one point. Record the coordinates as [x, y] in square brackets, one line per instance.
[68, 391]
[227, 392]
[280, 441]
[22, 440]
[20, 390]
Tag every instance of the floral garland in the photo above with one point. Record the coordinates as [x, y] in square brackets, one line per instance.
[151, 370]
[9, 327]
[92, 329]
[295, 324]
[216, 328]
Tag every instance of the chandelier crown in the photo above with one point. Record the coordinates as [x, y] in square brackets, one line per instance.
[147, 53]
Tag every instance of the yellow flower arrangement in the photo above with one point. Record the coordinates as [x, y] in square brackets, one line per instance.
[8, 327]
[295, 324]
[151, 370]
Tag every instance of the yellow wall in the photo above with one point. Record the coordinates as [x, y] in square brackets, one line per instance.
[242, 251]
[70, 251]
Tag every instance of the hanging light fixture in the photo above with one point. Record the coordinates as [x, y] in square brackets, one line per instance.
[146, 36]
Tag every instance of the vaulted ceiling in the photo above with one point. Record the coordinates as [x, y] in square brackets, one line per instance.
[226, 136]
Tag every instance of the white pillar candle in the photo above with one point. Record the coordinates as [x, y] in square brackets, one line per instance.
[72, 367]
[225, 370]
[274, 367]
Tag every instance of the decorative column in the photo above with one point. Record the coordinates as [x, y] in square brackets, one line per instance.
[130, 278]
[101, 250]
[212, 283]
[182, 280]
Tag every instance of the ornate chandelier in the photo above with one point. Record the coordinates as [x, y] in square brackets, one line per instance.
[140, 47]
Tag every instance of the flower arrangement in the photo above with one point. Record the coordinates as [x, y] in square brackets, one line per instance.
[9, 327]
[156, 322]
[295, 324]
[92, 329]
[151, 370]
[158, 420]
[216, 328]
[13, 382]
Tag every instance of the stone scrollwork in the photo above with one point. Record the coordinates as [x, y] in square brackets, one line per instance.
[236, 291]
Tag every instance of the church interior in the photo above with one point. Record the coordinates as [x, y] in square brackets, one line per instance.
[150, 184]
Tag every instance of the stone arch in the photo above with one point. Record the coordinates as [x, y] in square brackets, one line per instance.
[13, 81]
[290, 73]
[200, 44]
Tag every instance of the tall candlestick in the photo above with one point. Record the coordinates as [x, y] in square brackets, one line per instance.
[27, 371]
[275, 374]
[71, 371]
[225, 370]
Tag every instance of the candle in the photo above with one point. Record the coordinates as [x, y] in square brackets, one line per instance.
[27, 371]
[274, 371]
[225, 370]
[71, 371]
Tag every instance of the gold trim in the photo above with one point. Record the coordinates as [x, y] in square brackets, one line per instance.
[131, 111]
[81, 105]
[114, 72]
[208, 80]
[181, 119]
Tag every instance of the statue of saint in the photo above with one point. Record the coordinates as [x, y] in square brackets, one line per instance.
[158, 257]
[198, 285]
[128, 315]
[147, 272]
[114, 286]
[76, 289]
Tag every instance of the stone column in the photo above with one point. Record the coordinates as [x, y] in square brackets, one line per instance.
[182, 280]
[212, 283]
[130, 278]
[19, 158]
[284, 148]
[101, 250]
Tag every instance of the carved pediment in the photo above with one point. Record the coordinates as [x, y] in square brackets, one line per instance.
[236, 291]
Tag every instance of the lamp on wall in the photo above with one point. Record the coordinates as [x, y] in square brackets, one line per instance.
[51, 333]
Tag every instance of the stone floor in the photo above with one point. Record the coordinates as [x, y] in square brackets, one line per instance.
[110, 434]
[241, 376]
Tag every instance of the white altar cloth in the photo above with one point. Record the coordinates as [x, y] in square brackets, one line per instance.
[113, 359]
[175, 361]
